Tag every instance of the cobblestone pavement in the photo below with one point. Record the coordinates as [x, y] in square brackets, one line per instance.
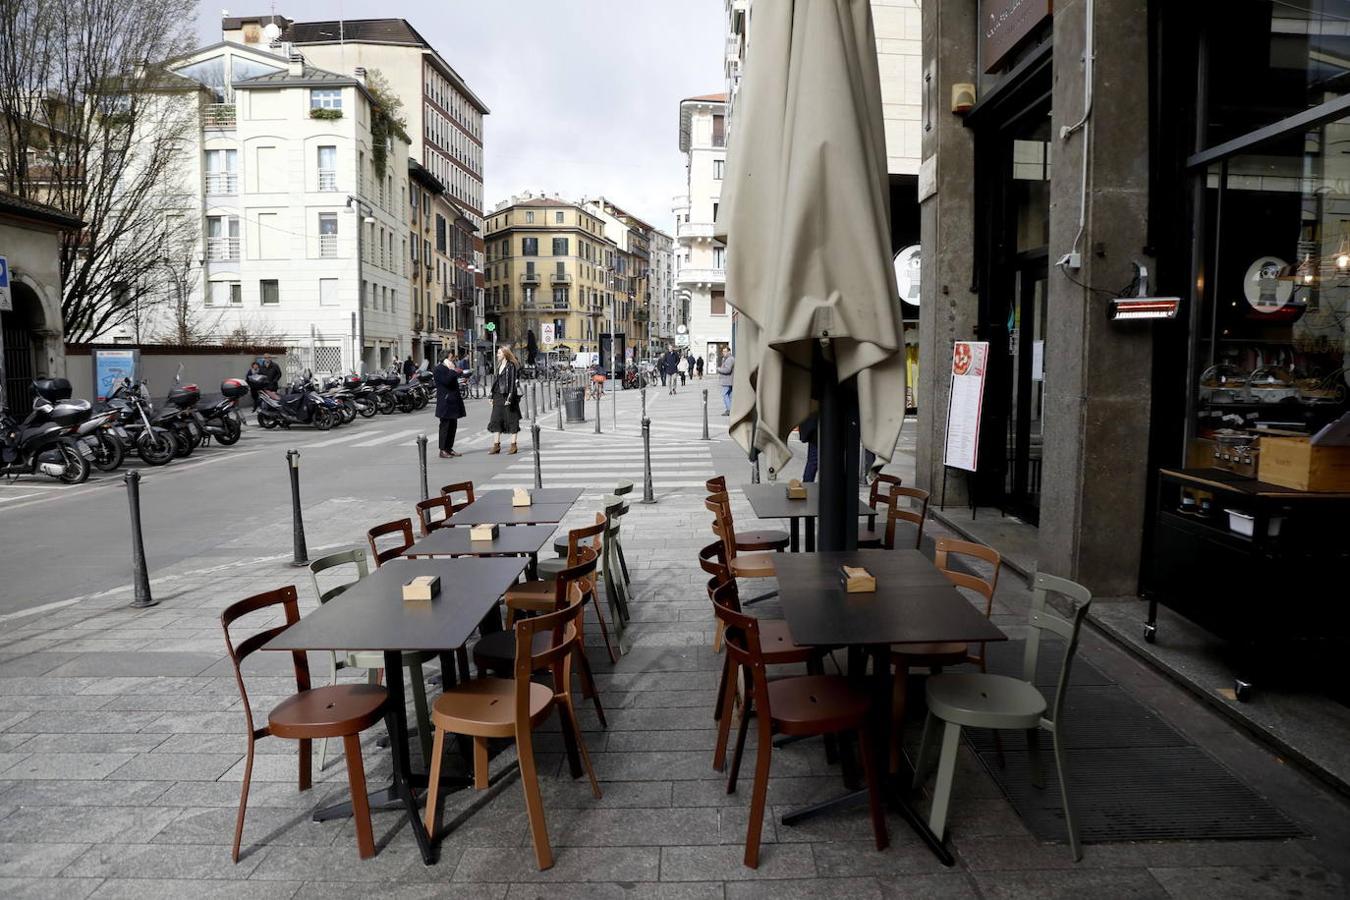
[121, 745]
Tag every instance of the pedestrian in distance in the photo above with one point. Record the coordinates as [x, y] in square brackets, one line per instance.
[409, 369]
[505, 418]
[449, 404]
[671, 362]
[724, 371]
[682, 367]
[698, 368]
[253, 369]
[271, 371]
[661, 368]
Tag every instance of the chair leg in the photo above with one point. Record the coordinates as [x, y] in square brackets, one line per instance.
[423, 714]
[874, 803]
[571, 712]
[534, 803]
[480, 764]
[243, 802]
[306, 763]
[588, 682]
[759, 793]
[1062, 766]
[323, 745]
[1034, 757]
[604, 633]
[921, 761]
[727, 702]
[816, 666]
[740, 747]
[623, 561]
[433, 813]
[717, 636]
[356, 777]
[942, 790]
[462, 662]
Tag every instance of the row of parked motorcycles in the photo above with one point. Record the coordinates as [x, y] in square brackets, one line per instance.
[66, 439]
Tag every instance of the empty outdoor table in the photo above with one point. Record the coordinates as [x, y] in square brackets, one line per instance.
[913, 603]
[506, 514]
[521, 540]
[540, 495]
[770, 501]
[372, 615]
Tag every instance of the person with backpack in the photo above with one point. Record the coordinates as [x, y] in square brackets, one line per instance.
[505, 418]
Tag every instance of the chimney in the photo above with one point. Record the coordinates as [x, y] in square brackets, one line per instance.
[295, 64]
[360, 73]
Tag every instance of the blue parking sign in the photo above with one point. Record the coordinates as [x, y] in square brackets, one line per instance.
[6, 303]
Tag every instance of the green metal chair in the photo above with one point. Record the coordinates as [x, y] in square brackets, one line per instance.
[978, 700]
[616, 578]
[371, 660]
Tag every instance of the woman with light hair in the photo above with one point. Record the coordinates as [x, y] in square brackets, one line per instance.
[505, 418]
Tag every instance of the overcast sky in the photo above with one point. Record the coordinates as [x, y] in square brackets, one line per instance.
[584, 93]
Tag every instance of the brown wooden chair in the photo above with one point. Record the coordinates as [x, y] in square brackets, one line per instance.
[936, 656]
[311, 714]
[878, 498]
[804, 705]
[776, 640]
[512, 708]
[460, 495]
[896, 513]
[540, 595]
[742, 565]
[426, 514]
[401, 527]
[496, 652]
[759, 539]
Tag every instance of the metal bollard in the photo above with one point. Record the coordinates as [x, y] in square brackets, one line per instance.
[705, 415]
[559, 407]
[422, 463]
[597, 413]
[538, 473]
[644, 403]
[534, 403]
[648, 492]
[140, 576]
[614, 402]
[297, 523]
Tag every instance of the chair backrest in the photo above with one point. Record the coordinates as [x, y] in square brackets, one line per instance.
[290, 605]
[460, 495]
[720, 506]
[880, 492]
[897, 513]
[581, 576]
[614, 510]
[716, 485]
[564, 625]
[740, 636]
[353, 557]
[426, 509]
[623, 487]
[586, 536]
[401, 527]
[1046, 618]
[942, 558]
[713, 560]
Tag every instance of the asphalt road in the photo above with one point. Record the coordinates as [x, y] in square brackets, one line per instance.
[227, 504]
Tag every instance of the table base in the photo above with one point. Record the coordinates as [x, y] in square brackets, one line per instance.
[892, 793]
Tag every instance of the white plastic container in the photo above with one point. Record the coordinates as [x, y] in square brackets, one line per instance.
[1241, 523]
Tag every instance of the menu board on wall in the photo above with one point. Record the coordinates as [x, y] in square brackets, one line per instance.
[970, 360]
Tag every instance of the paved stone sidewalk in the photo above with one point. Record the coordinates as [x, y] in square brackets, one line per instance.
[121, 745]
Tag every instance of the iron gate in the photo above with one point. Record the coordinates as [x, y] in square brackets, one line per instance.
[18, 362]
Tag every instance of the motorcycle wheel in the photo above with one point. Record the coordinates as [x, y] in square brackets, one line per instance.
[155, 448]
[422, 400]
[76, 466]
[231, 434]
[266, 421]
[194, 432]
[386, 403]
[322, 419]
[366, 408]
[348, 413]
[182, 443]
[109, 454]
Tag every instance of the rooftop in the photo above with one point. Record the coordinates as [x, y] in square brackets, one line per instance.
[16, 207]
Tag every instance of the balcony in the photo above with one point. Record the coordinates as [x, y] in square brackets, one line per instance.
[218, 115]
[222, 249]
[563, 278]
[694, 230]
[327, 180]
[328, 245]
[222, 183]
[733, 46]
[558, 305]
[529, 278]
[690, 276]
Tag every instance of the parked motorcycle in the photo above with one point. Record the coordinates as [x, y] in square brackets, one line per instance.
[154, 444]
[300, 405]
[42, 444]
[363, 395]
[223, 421]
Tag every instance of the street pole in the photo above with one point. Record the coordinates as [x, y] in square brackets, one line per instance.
[422, 463]
[559, 407]
[140, 574]
[705, 415]
[538, 473]
[301, 556]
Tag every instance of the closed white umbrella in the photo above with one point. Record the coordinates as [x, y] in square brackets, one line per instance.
[805, 215]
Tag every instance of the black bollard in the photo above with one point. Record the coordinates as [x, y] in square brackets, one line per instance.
[648, 492]
[422, 463]
[140, 576]
[597, 413]
[297, 524]
[534, 402]
[644, 403]
[538, 473]
[559, 407]
[705, 415]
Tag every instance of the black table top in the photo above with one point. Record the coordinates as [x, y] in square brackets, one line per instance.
[539, 495]
[456, 542]
[372, 615]
[506, 514]
[913, 603]
[770, 501]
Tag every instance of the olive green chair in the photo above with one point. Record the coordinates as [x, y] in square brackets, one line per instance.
[979, 700]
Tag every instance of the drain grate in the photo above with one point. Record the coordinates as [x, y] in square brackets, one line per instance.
[1096, 717]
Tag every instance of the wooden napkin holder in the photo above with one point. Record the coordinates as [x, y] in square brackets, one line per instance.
[857, 580]
[796, 490]
[487, 531]
[520, 497]
[422, 588]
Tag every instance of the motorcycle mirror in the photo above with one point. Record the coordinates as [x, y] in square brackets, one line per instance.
[178, 376]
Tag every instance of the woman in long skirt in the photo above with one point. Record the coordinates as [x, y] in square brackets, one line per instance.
[505, 417]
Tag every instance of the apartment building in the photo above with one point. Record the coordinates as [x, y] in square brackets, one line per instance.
[303, 222]
[701, 261]
[628, 319]
[440, 248]
[663, 307]
[549, 262]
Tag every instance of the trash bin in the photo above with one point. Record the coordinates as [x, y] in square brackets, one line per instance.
[574, 403]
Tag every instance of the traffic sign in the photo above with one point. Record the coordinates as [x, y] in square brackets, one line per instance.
[546, 331]
[6, 302]
[681, 340]
[490, 327]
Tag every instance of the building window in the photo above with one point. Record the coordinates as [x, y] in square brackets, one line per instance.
[440, 232]
[559, 329]
[225, 293]
[719, 257]
[560, 246]
[719, 168]
[560, 270]
[529, 246]
[328, 292]
[222, 237]
[325, 98]
[328, 168]
[529, 217]
[558, 217]
[718, 304]
[560, 298]
[269, 290]
[719, 131]
[222, 171]
[328, 234]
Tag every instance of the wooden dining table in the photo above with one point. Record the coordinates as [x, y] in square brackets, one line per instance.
[519, 540]
[913, 603]
[372, 615]
[770, 501]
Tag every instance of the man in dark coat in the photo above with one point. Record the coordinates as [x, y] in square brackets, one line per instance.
[271, 371]
[449, 404]
[409, 370]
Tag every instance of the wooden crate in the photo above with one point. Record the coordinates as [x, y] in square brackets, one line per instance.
[1292, 462]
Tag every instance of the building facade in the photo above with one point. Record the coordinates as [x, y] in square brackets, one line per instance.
[663, 308]
[629, 317]
[701, 261]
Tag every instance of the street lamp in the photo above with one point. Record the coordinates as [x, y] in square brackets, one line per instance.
[365, 216]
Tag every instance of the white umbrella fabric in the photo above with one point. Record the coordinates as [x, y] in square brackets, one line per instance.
[805, 215]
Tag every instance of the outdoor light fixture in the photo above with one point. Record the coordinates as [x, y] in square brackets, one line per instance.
[1142, 306]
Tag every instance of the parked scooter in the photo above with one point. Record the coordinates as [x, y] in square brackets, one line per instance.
[223, 421]
[154, 444]
[363, 395]
[301, 405]
[45, 447]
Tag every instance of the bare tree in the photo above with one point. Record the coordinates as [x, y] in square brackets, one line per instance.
[87, 126]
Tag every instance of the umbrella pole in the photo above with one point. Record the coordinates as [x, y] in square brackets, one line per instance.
[838, 452]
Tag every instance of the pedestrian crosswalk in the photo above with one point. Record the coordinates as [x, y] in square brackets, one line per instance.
[598, 465]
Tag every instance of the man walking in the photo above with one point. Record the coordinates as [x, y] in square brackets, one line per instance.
[409, 369]
[724, 370]
[270, 371]
[449, 405]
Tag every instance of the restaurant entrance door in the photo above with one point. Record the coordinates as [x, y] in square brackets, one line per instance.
[1026, 385]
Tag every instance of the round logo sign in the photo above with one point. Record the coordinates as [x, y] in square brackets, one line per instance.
[907, 274]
